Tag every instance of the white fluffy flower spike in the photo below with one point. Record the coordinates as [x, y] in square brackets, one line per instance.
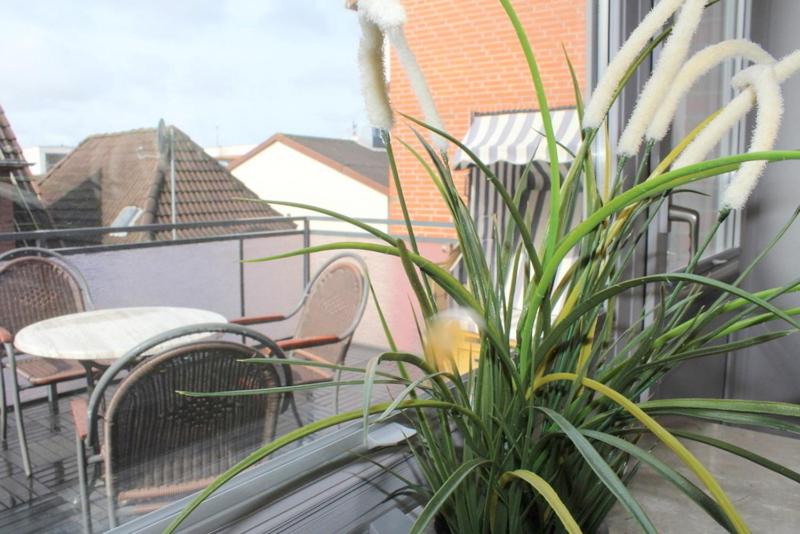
[601, 99]
[385, 14]
[731, 114]
[418, 83]
[672, 57]
[714, 131]
[373, 76]
[768, 121]
[385, 18]
[787, 66]
[697, 66]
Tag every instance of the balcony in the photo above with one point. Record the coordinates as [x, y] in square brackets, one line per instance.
[200, 272]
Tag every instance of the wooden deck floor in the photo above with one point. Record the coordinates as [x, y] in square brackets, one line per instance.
[47, 502]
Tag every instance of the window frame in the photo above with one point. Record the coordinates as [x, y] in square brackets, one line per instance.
[295, 477]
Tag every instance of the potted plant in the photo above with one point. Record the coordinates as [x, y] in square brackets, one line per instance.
[548, 410]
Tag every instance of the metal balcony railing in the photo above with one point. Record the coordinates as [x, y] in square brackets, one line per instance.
[211, 272]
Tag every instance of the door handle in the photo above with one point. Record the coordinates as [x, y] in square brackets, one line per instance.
[689, 216]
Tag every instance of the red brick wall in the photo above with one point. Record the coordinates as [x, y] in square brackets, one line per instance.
[473, 62]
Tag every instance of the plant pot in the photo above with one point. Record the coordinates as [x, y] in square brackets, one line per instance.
[440, 526]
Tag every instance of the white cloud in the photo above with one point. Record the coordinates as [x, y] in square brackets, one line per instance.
[248, 67]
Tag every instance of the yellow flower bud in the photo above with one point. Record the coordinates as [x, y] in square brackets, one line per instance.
[451, 342]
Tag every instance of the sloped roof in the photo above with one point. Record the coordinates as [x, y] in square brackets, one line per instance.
[366, 165]
[108, 172]
[16, 183]
[11, 157]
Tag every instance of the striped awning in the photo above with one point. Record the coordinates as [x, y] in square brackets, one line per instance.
[518, 137]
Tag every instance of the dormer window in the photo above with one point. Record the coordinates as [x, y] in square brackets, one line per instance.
[127, 217]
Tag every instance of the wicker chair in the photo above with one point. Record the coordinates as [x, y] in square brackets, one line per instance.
[329, 312]
[158, 445]
[35, 284]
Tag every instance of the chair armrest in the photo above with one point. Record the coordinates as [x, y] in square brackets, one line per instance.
[257, 319]
[305, 342]
[5, 336]
[305, 355]
[80, 416]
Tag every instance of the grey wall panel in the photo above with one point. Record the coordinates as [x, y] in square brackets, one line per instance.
[200, 275]
[210, 276]
[275, 286]
[395, 296]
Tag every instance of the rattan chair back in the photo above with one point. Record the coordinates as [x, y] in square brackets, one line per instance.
[35, 288]
[157, 442]
[334, 303]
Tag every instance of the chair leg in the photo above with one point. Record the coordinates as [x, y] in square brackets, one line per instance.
[84, 488]
[89, 377]
[52, 398]
[295, 411]
[111, 503]
[23, 442]
[274, 429]
[336, 392]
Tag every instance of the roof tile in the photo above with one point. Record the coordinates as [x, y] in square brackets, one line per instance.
[107, 172]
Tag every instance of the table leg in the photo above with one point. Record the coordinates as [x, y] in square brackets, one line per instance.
[87, 365]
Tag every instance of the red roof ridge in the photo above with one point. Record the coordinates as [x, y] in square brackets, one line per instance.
[116, 134]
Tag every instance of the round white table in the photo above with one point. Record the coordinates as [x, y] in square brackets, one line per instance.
[106, 334]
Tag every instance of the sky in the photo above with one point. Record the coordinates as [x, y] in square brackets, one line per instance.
[224, 71]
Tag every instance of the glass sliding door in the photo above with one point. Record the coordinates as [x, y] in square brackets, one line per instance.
[691, 214]
[687, 216]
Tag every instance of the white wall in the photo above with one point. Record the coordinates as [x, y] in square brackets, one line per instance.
[281, 173]
[37, 154]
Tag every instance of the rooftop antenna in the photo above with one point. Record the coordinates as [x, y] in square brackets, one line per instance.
[166, 146]
[173, 202]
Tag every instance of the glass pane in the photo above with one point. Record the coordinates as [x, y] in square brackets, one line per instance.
[261, 100]
[709, 94]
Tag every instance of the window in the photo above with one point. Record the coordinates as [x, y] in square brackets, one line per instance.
[127, 217]
[50, 159]
[288, 103]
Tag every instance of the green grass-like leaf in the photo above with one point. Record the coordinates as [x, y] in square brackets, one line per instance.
[603, 471]
[443, 493]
